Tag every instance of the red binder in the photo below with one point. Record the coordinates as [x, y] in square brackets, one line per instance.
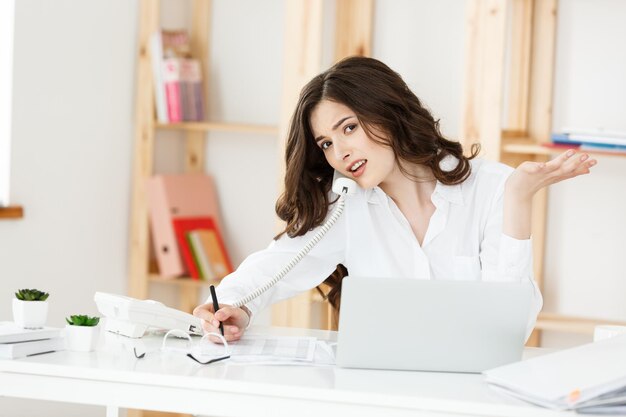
[182, 226]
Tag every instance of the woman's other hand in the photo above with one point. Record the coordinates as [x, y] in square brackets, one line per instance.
[235, 321]
[530, 177]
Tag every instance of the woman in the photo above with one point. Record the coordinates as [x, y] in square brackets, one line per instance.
[423, 210]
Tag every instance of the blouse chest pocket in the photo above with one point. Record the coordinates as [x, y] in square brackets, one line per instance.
[467, 268]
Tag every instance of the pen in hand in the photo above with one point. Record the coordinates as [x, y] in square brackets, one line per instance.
[216, 307]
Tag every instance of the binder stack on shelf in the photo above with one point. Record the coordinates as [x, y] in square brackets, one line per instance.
[598, 140]
[186, 227]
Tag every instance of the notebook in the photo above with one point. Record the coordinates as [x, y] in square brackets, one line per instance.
[11, 332]
[33, 347]
[429, 325]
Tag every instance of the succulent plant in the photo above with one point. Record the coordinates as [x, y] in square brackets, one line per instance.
[82, 320]
[31, 295]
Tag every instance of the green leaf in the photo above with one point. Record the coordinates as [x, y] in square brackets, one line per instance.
[83, 320]
[31, 295]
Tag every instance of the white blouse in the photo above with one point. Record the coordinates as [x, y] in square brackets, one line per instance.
[464, 241]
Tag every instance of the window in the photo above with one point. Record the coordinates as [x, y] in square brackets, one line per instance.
[7, 18]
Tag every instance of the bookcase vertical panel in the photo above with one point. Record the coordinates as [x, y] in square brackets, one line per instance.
[143, 150]
[301, 62]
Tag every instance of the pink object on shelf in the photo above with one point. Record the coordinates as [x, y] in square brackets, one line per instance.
[173, 197]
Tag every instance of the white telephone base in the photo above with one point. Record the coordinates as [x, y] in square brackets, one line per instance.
[132, 317]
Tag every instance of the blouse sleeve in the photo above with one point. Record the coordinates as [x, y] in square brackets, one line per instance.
[261, 266]
[504, 258]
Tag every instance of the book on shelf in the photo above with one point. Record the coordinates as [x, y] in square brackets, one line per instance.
[590, 378]
[213, 249]
[603, 147]
[17, 350]
[200, 257]
[177, 77]
[587, 139]
[177, 196]
[598, 132]
[563, 141]
[171, 80]
[210, 253]
[11, 333]
[192, 95]
[165, 44]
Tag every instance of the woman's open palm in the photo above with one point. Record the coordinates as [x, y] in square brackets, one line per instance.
[530, 177]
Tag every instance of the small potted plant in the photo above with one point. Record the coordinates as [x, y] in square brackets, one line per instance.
[30, 308]
[81, 333]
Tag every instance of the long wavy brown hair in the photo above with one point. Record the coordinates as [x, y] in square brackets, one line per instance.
[389, 112]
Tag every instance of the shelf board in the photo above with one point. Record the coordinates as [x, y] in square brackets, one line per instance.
[530, 147]
[183, 281]
[11, 212]
[220, 127]
[569, 324]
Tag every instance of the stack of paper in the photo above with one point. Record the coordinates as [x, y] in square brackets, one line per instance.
[590, 378]
[16, 342]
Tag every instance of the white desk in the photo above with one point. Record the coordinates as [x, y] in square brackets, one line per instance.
[114, 378]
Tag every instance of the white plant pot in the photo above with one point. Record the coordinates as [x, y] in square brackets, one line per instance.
[81, 338]
[30, 314]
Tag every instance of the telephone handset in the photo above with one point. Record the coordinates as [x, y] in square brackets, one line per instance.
[342, 186]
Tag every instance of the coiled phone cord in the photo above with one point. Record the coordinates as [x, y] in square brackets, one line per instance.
[296, 259]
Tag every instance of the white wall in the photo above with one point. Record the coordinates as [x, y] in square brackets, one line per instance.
[72, 124]
[585, 264]
[424, 41]
[74, 82]
[7, 13]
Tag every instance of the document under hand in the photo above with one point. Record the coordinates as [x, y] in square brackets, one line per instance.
[257, 349]
[587, 378]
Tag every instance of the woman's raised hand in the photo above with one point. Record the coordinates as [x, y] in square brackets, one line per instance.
[235, 320]
[530, 177]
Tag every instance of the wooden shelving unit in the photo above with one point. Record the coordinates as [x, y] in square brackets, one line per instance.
[579, 325]
[219, 127]
[531, 35]
[182, 281]
[526, 146]
[141, 273]
[302, 60]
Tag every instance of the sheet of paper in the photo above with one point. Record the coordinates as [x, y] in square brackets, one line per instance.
[252, 349]
[275, 348]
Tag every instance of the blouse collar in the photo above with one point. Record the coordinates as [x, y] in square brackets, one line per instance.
[450, 193]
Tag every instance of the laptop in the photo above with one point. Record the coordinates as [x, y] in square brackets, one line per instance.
[429, 325]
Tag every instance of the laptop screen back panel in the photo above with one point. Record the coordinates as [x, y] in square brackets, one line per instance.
[453, 326]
